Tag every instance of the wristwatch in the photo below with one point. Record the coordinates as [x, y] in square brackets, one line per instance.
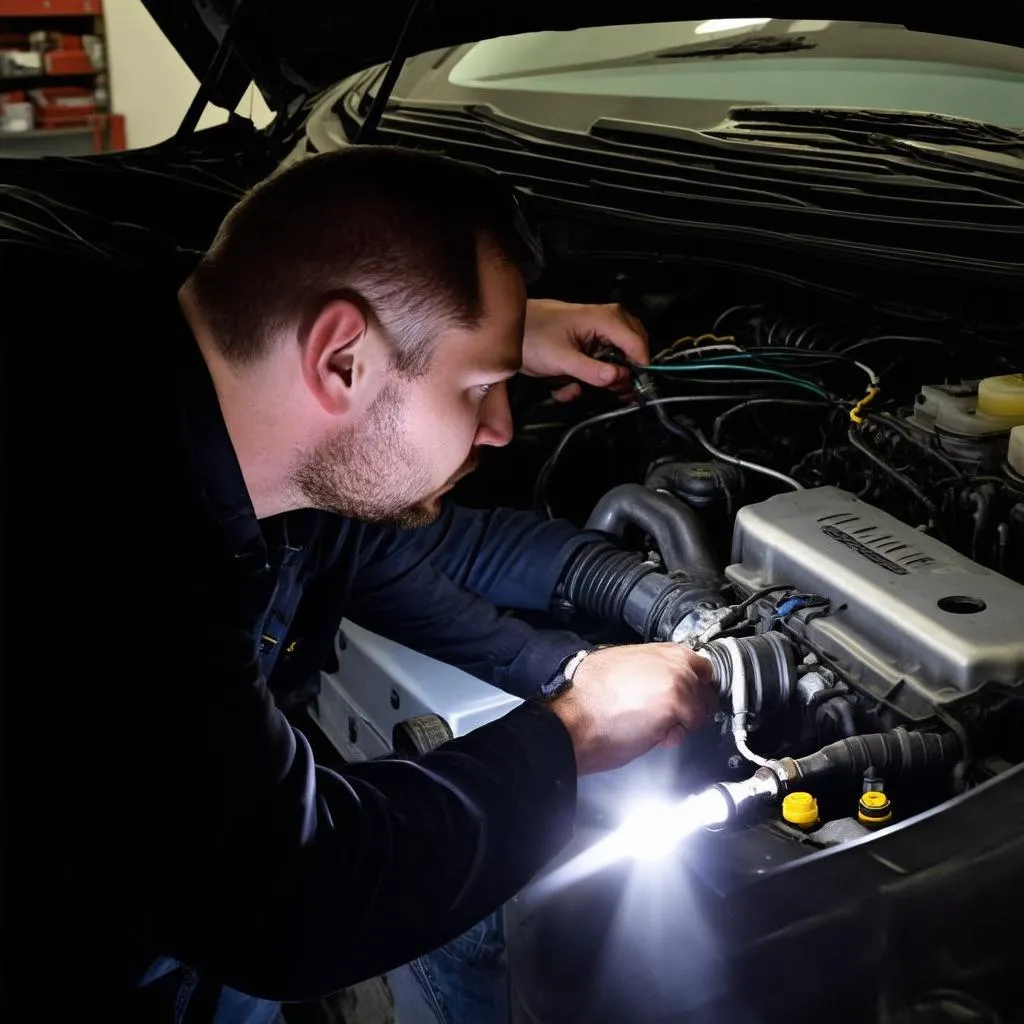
[561, 681]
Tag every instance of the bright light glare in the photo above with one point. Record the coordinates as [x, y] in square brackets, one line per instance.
[728, 24]
[655, 828]
[649, 833]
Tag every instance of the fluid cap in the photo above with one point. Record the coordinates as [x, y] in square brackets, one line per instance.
[1002, 396]
[874, 809]
[1015, 455]
[800, 809]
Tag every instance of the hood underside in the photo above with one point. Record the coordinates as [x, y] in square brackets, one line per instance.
[295, 48]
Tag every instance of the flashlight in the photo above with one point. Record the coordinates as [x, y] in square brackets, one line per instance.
[655, 828]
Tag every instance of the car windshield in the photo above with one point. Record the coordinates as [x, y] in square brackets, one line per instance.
[694, 72]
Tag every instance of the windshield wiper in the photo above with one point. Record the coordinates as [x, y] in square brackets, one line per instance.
[753, 44]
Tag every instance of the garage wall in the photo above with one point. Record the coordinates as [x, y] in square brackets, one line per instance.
[150, 84]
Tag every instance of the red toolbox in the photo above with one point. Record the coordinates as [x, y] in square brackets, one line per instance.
[63, 106]
[67, 62]
[37, 8]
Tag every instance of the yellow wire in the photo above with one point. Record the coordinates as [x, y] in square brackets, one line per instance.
[695, 341]
[855, 412]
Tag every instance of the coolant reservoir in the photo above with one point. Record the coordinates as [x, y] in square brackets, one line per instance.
[1015, 455]
[1002, 397]
[992, 406]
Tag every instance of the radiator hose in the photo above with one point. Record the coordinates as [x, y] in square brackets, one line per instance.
[891, 753]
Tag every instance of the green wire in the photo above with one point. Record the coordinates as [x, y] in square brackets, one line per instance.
[760, 371]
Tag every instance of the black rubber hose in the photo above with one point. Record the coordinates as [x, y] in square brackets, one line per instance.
[839, 711]
[674, 427]
[599, 578]
[888, 420]
[890, 753]
[676, 530]
[904, 481]
[619, 586]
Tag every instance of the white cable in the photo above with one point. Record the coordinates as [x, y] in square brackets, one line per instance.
[740, 739]
[738, 692]
[744, 464]
[686, 353]
[872, 376]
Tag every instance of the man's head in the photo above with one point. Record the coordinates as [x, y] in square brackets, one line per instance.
[373, 298]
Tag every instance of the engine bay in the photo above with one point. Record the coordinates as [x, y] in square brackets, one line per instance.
[831, 504]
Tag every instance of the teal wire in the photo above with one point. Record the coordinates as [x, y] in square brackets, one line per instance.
[758, 370]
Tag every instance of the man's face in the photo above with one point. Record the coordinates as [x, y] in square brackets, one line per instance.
[418, 437]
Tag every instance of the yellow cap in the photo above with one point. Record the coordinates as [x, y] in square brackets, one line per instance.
[1002, 396]
[800, 809]
[874, 808]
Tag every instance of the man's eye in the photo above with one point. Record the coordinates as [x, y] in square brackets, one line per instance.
[485, 389]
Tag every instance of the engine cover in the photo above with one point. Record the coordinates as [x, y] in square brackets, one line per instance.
[912, 622]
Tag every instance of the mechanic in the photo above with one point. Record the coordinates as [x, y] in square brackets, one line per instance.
[215, 472]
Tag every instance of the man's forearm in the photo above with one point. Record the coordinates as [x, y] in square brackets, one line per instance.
[511, 558]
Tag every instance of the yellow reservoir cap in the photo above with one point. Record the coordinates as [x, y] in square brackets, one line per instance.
[1002, 396]
[800, 809]
[874, 808]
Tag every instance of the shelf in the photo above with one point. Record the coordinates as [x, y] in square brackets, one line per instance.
[50, 8]
[46, 133]
[7, 81]
[44, 77]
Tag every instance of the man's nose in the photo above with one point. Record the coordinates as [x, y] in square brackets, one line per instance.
[495, 427]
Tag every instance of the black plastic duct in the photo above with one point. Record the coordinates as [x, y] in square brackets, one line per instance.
[674, 526]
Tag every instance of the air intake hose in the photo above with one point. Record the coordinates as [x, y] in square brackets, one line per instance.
[619, 586]
[676, 530]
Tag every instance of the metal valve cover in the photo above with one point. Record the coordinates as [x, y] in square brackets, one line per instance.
[912, 622]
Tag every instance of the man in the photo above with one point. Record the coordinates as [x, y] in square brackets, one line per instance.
[213, 472]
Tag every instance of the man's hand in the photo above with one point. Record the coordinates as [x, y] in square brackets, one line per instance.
[625, 701]
[561, 340]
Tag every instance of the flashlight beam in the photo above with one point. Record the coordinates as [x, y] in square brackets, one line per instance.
[650, 832]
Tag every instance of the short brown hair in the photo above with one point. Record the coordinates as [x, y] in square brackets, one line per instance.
[398, 230]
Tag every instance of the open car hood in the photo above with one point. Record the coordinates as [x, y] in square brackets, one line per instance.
[295, 48]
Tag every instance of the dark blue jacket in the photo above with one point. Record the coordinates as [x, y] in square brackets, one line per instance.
[158, 802]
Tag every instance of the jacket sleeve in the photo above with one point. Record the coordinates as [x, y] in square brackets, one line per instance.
[439, 589]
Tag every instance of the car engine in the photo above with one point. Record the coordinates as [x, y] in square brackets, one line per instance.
[825, 498]
[841, 534]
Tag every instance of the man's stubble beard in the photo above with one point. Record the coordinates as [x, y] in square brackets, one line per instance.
[370, 472]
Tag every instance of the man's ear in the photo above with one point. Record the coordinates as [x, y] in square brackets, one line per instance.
[331, 353]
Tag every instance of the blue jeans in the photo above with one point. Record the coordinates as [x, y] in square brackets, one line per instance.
[233, 1007]
[464, 982]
